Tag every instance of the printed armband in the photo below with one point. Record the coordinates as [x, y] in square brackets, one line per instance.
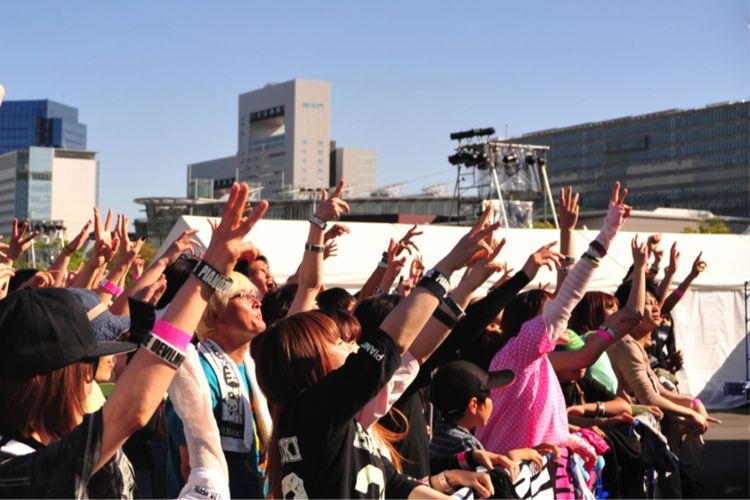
[163, 350]
[211, 277]
[435, 282]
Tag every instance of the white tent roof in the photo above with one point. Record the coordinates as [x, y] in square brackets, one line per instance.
[709, 321]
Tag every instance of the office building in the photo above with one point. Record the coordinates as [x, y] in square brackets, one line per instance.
[695, 158]
[40, 123]
[358, 168]
[284, 146]
[48, 186]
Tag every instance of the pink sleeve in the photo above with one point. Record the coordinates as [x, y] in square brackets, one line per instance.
[389, 394]
[557, 311]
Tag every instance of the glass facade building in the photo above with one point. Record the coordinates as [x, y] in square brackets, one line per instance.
[696, 158]
[40, 123]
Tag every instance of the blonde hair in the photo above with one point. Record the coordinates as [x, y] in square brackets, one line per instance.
[217, 304]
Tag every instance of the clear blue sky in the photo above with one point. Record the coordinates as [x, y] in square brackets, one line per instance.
[157, 82]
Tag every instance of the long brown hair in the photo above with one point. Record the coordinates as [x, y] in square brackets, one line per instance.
[290, 356]
[50, 404]
[588, 314]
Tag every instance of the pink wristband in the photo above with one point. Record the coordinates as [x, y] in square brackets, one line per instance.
[678, 292]
[694, 403]
[608, 337]
[462, 462]
[171, 334]
[136, 277]
[110, 287]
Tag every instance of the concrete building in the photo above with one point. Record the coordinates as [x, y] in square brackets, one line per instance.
[48, 186]
[695, 158]
[358, 167]
[284, 147]
[284, 135]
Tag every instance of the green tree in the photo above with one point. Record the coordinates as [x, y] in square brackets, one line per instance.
[712, 225]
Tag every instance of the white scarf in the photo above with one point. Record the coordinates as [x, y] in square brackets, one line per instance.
[236, 431]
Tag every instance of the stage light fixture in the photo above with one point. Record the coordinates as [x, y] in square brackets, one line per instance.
[467, 134]
[511, 158]
[530, 159]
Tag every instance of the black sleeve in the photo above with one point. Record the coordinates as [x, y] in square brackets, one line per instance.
[397, 485]
[593, 391]
[478, 316]
[60, 470]
[439, 463]
[338, 397]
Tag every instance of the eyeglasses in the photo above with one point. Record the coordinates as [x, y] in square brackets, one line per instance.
[250, 295]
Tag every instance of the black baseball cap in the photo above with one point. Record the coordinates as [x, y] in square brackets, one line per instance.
[45, 329]
[457, 382]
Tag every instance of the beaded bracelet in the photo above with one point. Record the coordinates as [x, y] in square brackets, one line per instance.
[592, 260]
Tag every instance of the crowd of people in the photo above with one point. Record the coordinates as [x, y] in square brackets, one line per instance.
[200, 376]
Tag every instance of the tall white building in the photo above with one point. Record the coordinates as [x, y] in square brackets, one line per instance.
[48, 185]
[284, 135]
[284, 146]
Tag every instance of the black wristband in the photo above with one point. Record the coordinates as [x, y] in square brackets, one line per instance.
[211, 277]
[444, 317]
[311, 247]
[435, 283]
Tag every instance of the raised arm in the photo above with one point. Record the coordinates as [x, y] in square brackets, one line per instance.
[568, 219]
[617, 325]
[440, 323]
[127, 251]
[699, 265]
[557, 311]
[311, 270]
[185, 243]
[408, 318]
[142, 385]
[405, 243]
[60, 266]
[669, 272]
[104, 248]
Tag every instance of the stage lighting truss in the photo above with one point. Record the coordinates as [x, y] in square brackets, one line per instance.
[508, 167]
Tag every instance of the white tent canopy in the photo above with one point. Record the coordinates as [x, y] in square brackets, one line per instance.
[709, 321]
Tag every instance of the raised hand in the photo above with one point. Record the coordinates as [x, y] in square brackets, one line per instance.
[127, 250]
[331, 250]
[106, 244]
[545, 256]
[640, 253]
[333, 207]
[226, 242]
[185, 243]
[674, 259]
[653, 247]
[480, 270]
[20, 242]
[77, 242]
[335, 231]
[471, 246]
[699, 265]
[406, 243]
[569, 208]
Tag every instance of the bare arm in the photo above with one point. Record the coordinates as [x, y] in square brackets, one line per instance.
[669, 272]
[60, 266]
[142, 386]
[699, 265]
[568, 219]
[311, 269]
[405, 322]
